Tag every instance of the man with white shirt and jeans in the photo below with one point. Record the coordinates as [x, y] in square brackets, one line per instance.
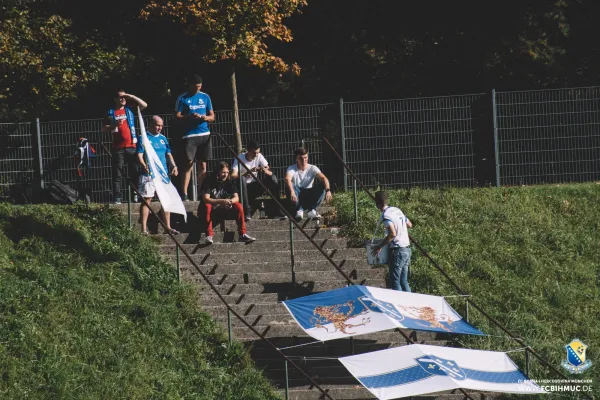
[396, 224]
[301, 188]
[251, 188]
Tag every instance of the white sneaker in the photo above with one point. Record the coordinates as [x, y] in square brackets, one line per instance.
[209, 240]
[313, 214]
[299, 215]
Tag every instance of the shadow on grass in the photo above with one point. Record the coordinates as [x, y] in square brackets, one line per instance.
[23, 227]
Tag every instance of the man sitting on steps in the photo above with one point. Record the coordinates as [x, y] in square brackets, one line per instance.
[301, 188]
[251, 188]
[221, 201]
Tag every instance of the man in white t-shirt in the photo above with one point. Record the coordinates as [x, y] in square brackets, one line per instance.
[301, 188]
[396, 224]
[251, 189]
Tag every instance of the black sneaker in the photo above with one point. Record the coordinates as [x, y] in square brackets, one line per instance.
[185, 198]
[246, 238]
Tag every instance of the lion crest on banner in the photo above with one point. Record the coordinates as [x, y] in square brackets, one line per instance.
[338, 315]
[426, 317]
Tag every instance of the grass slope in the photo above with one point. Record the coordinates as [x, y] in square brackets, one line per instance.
[529, 255]
[89, 311]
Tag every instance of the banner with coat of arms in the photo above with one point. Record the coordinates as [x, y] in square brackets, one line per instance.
[419, 369]
[358, 310]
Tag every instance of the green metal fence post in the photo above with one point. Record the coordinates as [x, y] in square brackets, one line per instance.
[229, 329]
[38, 132]
[467, 309]
[292, 258]
[342, 129]
[355, 202]
[129, 216]
[287, 383]
[178, 266]
[527, 361]
[496, 151]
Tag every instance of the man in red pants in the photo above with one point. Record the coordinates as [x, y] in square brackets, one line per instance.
[221, 200]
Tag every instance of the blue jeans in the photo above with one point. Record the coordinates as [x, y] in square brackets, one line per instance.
[399, 263]
[308, 199]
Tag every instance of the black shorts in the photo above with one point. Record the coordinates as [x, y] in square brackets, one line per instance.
[197, 148]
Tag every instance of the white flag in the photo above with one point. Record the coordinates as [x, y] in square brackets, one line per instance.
[419, 369]
[358, 310]
[167, 194]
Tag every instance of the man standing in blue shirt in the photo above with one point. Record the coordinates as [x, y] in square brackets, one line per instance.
[146, 186]
[193, 111]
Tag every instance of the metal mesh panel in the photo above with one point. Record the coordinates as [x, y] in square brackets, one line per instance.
[16, 157]
[278, 130]
[549, 136]
[398, 143]
[281, 130]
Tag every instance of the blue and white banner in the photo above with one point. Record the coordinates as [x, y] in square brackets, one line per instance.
[358, 310]
[165, 190]
[419, 369]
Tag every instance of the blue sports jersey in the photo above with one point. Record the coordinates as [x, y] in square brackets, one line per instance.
[161, 146]
[198, 103]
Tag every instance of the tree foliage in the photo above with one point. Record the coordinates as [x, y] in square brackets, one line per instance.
[44, 63]
[238, 29]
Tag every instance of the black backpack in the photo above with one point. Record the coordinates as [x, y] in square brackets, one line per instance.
[59, 193]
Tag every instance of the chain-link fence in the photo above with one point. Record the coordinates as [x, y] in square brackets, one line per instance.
[548, 136]
[16, 159]
[480, 139]
[412, 142]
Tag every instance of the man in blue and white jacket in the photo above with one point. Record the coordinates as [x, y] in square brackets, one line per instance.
[193, 112]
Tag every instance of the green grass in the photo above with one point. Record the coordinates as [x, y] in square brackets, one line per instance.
[530, 256]
[89, 311]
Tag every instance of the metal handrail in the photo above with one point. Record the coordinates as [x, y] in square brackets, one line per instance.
[214, 289]
[282, 208]
[458, 288]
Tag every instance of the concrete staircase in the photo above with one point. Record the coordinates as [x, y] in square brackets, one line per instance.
[254, 278]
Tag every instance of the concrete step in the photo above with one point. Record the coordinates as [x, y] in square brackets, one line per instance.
[246, 254]
[299, 391]
[258, 245]
[193, 224]
[247, 310]
[323, 265]
[317, 234]
[281, 281]
[306, 287]
[192, 206]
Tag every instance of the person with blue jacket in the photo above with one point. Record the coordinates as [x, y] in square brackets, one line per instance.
[120, 121]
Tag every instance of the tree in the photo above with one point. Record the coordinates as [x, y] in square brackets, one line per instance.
[43, 64]
[239, 31]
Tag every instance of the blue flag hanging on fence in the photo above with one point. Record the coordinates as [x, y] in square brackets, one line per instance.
[357, 310]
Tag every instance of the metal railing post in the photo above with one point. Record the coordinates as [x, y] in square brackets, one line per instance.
[343, 132]
[467, 309]
[292, 257]
[194, 182]
[527, 361]
[355, 202]
[496, 151]
[129, 216]
[39, 152]
[178, 266]
[287, 383]
[229, 328]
